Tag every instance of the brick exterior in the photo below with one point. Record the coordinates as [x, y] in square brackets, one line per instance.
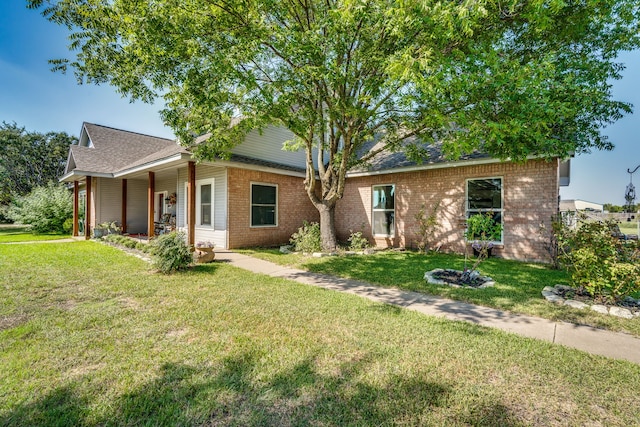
[293, 207]
[530, 198]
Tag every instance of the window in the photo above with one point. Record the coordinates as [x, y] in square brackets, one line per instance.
[264, 212]
[204, 202]
[485, 196]
[384, 210]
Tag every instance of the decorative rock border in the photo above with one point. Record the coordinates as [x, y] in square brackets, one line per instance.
[555, 294]
[429, 277]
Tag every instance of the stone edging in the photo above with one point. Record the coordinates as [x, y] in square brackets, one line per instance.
[553, 294]
[428, 276]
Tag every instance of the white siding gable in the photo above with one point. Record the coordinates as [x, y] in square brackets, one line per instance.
[268, 147]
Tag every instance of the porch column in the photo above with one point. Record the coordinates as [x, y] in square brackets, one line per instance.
[150, 204]
[123, 212]
[191, 204]
[76, 196]
[88, 212]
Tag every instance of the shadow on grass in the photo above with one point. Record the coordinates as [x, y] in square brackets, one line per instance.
[233, 394]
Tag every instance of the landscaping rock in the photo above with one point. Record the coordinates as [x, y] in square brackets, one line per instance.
[599, 308]
[549, 289]
[563, 288]
[576, 304]
[369, 251]
[285, 249]
[621, 312]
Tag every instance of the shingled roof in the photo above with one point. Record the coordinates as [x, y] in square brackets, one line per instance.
[390, 160]
[111, 150]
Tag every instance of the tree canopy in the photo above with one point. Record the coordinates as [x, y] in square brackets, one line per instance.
[30, 159]
[511, 78]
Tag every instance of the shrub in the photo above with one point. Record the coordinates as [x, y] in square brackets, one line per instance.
[426, 226]
[307, 238]
[171, 253]
[482, 231]
[45, 209]
[600, 263]
[357, 241]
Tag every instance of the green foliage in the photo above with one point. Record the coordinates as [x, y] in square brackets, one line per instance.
[426, 226]
[45, 209]
[482, 230]
[607, 267]
[29, 159]
[511, 79]
[307, 238]
[560, 224]
[171, 252]
[357, 241]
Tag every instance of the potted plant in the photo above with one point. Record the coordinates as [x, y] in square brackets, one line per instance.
[105, 228]
[204, 251]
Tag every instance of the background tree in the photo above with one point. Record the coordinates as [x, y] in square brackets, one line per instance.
[29, 159]
[513, 78]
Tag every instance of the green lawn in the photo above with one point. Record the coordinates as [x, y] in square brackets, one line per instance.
[90, 336]
[629, 227]
[13, 234]
[518, 285]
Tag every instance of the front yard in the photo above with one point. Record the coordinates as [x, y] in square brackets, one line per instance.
[90, 336]
[10, 233]
[518, 285]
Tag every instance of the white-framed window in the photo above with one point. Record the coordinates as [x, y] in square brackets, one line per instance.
[264, 205]
[383, 201]
[485, 196]
[204, 202]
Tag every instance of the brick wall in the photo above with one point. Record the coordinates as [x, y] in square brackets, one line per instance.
[293, 207]
[530, 198]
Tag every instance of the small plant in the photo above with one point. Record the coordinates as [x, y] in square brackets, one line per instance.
[171, 252]
[307, 238]
[606, 267]
[426, 226]
[357, 242]
[560, 225]
[106, 228]
[482, 231]
[205, 244]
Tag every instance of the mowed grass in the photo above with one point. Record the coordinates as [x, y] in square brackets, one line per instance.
[90, 336]
[518, 285]
[14, 234]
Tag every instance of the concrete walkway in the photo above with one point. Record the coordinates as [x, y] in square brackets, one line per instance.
[596, 341]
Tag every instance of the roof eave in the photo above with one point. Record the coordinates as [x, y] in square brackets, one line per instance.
[75, 175]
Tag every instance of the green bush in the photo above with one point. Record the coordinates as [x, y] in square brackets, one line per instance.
[307, 238]
[600, 263]
[45, 209]
[171, 252]
[357, 241]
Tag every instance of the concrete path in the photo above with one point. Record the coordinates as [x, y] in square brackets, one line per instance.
[596, 341]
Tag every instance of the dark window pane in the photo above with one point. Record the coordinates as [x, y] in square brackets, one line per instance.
[205, 193]
[384, 223]
[485, 194]
[263, 215]
[205, 214]
[263, 195]
[383, 197]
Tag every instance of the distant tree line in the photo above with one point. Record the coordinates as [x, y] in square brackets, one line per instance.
[29, 160]
[618, 209]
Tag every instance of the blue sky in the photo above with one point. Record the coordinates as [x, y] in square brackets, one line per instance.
[40, 100]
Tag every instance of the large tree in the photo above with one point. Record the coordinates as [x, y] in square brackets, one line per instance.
[512, 78]
[29, 159]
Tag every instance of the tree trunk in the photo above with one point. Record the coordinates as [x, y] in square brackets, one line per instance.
[328, 227]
